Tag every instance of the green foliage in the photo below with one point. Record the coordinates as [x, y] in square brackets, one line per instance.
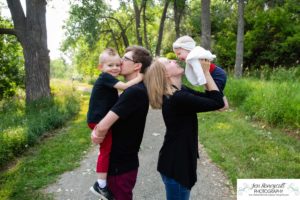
[272, 31]
[272, 39]
[83, 21]
[237, 90]
[33, 120]
[86, 60]
[171, 55]
[60, 69]
[107, 27]
[11, 63]
[274, 101]
[245, 149]
[46, 161]
[278, 74]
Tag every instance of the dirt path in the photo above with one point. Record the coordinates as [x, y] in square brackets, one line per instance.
[211, 185]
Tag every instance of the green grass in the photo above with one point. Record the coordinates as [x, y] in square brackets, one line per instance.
[43, 163]
[275, 103]
[244, 149]
[241, 147]
[22, 125]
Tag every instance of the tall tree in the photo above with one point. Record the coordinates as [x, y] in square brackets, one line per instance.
[92, 20]
[179, 7]
[238, 68]
[32, 34]
[161, 27]
[205, 24]
[137, 11]
[145, 27]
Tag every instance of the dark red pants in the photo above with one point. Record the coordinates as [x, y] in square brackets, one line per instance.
[104, 151]
[122, 185]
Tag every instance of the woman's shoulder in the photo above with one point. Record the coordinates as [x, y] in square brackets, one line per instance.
[181, 93]
[187, 89]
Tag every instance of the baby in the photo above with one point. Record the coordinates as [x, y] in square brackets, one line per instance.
[186, 50]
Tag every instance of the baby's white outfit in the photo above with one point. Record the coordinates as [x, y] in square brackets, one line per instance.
[193, 69]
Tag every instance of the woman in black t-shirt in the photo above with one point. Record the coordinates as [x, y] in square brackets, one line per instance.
[177, 162]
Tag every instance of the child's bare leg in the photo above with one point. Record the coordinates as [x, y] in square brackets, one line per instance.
[102, 175]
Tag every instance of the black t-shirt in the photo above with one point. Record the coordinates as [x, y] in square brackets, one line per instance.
[103, 97]
[178, 155]
[127, 133]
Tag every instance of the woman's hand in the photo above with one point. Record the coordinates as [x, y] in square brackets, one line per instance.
[210, 83]
[205, 65]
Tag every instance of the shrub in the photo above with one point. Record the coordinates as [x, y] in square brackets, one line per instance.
[275, 102]
[22, 126]
[237, 90]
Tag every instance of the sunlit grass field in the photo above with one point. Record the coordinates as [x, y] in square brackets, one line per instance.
[247, 149]
[60, 151]
[243, 142]
[259, 136]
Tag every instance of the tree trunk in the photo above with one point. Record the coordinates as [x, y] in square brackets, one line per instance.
[179, 6]
[137, 22]
[161, 28]
[205, 24]
[123, 31]
[31, 31]
[238, 68]
[145, 27]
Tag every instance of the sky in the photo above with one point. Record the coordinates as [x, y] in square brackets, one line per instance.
[57, 12]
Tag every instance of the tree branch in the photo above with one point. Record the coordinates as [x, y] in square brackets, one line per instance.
[8, 31]
[17, 14]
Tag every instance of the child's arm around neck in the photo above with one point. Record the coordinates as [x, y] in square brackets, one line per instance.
[123, 86]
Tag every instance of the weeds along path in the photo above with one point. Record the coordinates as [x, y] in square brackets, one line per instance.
[211, 185]
[242, 147]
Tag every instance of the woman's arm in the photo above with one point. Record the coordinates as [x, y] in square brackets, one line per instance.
[186, 101]
[210, 83]
[209, 101]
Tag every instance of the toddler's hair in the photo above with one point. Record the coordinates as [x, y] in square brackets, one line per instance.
[185, 42]
[108, 52]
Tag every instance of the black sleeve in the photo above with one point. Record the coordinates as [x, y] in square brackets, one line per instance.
[189, 102]
[194, 92]
[129, 101]
[108, 80]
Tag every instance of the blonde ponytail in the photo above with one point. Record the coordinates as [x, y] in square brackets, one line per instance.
[157, 83]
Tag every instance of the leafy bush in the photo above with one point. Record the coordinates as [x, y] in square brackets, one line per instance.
[237, 90]
[22, 127]
[11, 64]
[276, 74]
[272, 33]
[60, 69]
[275, 101]
[171, 55]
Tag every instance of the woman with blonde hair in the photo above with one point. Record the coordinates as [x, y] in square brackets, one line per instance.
[177, 162]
